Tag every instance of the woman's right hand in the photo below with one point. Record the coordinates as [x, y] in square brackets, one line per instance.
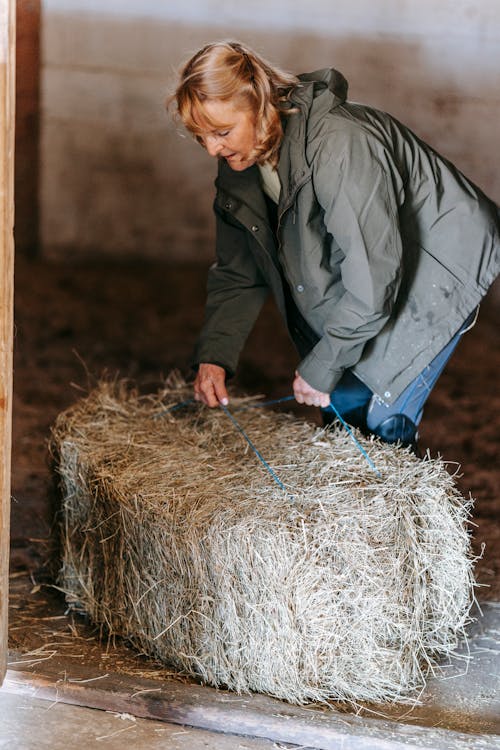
[210, 385]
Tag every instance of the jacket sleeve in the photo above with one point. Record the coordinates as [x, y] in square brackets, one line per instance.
[236, 292]
[353, 187]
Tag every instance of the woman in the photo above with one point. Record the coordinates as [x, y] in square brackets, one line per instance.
[377, 249]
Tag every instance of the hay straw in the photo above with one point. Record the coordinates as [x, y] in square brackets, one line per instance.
[176, 538]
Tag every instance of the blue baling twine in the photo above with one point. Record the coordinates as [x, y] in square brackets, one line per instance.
[179, 405]
[259, 455]
[332, 407]
[189, 401]
[354, 439]
[266, 403]
[252, 446]
[261, 458]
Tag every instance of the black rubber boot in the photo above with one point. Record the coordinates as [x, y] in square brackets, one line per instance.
[398, 428]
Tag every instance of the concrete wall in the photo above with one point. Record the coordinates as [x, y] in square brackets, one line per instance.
[118, 179]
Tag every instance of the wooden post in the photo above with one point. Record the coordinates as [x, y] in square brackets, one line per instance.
[28, 14]
[7, 90]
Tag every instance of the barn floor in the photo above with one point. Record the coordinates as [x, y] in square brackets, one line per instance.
[76, 322]
[458, 710]
[31, 723]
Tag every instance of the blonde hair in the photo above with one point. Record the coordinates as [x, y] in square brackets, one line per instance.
[230, 71]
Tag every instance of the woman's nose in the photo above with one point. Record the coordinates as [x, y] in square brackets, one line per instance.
[213, 145]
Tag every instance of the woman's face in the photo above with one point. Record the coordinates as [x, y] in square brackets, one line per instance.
[235, 139]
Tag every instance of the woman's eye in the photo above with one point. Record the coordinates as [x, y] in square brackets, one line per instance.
[223, 134]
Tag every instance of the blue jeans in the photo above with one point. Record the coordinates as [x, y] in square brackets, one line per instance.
[352, 398]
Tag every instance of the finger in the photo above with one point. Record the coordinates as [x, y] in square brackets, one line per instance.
[209, 384]
[297, 389]
[202, 395]
[220, 392]
[196, 389]
[198, 396]
[204, 391]
[305, 395]
[210, 397]
[296, 392]
[215, 390]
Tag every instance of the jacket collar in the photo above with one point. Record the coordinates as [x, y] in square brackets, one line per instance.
[293, 170]
[292, 166]
[244, 187]
[317, 93]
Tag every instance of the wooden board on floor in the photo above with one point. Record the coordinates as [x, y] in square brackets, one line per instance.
[222, 711]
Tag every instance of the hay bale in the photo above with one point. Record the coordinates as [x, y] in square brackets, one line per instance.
[176, 538]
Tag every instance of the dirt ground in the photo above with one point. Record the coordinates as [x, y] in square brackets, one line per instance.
[76, 322]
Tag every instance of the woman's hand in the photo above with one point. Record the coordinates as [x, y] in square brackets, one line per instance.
[305, 394]
[210, 385]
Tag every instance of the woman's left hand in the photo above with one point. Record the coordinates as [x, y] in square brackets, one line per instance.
[305, 394]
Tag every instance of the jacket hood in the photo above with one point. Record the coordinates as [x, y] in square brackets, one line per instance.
[327, 78]
[317, 94]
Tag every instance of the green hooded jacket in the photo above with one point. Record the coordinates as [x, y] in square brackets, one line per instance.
[385, 246]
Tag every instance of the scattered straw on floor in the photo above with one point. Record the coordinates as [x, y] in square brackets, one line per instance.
[176, 537]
